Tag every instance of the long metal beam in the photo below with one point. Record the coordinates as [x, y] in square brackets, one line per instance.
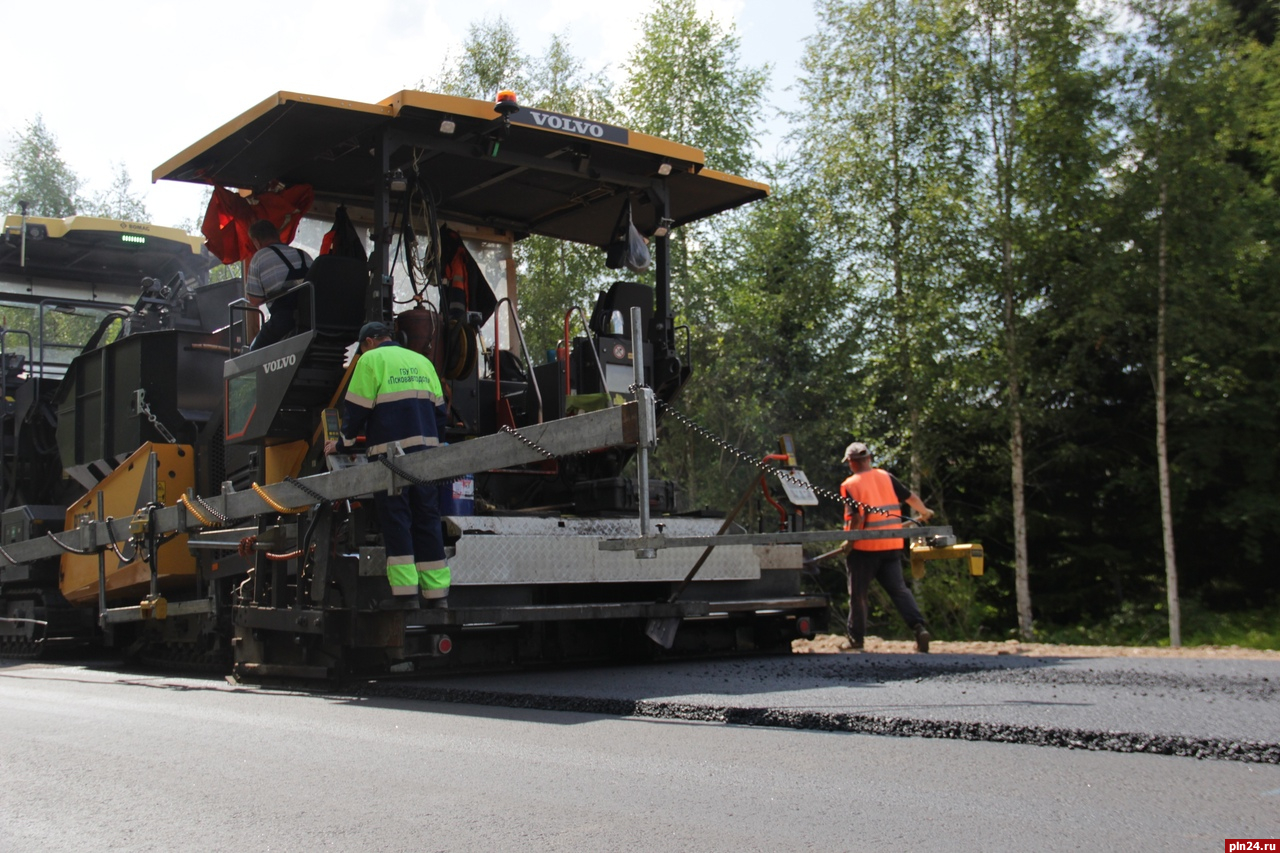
[808, 536]
[607, 428]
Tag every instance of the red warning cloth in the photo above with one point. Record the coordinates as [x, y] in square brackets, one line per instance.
[227, 220]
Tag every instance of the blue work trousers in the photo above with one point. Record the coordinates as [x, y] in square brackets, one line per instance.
[414, 541]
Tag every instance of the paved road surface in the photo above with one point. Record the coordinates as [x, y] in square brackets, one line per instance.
[1208, 707]
[92, 759]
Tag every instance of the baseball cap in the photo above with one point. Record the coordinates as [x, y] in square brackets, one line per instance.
[856, 450]
[374, 329]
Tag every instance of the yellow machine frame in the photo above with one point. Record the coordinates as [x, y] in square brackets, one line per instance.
[125, 492]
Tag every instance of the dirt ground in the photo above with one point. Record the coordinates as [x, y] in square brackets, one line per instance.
[838, 644]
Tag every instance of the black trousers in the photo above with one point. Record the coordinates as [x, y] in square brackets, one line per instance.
[886, 567]
[280, 324]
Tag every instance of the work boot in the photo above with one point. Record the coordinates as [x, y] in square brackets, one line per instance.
[436, 603]
[922, 639]
[399, 602]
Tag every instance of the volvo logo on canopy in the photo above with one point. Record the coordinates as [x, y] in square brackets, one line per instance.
[570, 124]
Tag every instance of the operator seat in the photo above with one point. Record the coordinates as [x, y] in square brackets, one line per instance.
[333, 307]
[619, 299]
[338, 287]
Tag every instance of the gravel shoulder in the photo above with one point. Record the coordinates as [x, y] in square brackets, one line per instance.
[838, 644]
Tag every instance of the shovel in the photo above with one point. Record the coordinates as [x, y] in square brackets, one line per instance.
[662, 630]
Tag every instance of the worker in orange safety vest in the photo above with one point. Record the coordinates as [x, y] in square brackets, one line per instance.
[875, 503]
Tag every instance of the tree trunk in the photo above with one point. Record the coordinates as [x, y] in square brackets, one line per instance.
[1162, 422]
[1004, 130]
[1017, 468]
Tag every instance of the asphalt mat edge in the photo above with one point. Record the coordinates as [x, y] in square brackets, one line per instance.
[1256, 752]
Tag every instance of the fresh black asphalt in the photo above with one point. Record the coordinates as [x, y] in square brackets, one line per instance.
[1201, 708]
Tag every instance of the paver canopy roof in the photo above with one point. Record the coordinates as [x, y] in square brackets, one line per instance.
[541, 173]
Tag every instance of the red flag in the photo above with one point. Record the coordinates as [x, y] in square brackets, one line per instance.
[227, 220]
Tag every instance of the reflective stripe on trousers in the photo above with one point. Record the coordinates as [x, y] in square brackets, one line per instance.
[414, 540]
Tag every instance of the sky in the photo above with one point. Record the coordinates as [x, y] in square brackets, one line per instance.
[137, 83]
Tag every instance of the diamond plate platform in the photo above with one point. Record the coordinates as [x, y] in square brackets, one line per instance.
[517, 550]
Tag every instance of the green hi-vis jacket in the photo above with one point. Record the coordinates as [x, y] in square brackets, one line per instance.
[394, 395]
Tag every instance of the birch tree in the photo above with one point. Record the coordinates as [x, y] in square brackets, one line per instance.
[1038, 106]
[686, 81]
[38, 175]
[1185, 201]
[883, 132]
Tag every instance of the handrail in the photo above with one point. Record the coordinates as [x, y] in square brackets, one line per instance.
[54, 303]
[497, 356]
[244, 306]
[4, 395]
[582, 315]
[688, 341]
[95, 340]
[4, 360]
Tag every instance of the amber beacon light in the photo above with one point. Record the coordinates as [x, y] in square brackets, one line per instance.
[506, 102]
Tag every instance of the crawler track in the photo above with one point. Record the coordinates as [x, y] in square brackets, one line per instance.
[21, 649]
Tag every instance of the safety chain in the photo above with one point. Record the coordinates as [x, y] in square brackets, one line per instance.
[417, 481]
[306, 490]
[222, 519]
[527, 442]
[204, 520]
[155, 422]
[759, 463]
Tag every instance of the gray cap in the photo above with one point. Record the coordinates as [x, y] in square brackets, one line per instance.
[373, 329]
[857, 450]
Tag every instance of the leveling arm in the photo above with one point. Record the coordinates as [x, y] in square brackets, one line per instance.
[607, 428]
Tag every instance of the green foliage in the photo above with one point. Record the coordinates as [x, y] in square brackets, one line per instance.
[956, 605]
[1184, 112]
[1261, 92]
[772, 354]
[57, 332]
[118, 202]
[559, 82]
[491, 61]
[1139, 624]
[554, 275]
[966, 232]
[686, 82]
[38, 175]
[883, 140]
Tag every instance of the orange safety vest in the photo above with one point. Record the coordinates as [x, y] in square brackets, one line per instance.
[875, 489]
[456, 280]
